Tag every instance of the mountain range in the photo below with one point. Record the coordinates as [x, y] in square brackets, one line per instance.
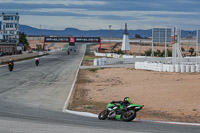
[85, 33]
[95, 33]
[31, 31]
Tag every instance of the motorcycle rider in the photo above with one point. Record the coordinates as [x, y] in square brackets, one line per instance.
[124, 104]
[10, 61]
[36, 61]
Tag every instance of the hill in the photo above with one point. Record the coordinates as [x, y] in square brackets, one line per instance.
[28, 30]
[89, 33]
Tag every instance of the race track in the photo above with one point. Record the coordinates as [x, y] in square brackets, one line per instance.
[32, 99]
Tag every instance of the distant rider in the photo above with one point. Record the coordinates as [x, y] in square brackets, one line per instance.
[10, 61]
[36, 61]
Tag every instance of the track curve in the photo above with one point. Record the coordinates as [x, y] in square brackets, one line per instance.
[32, 98]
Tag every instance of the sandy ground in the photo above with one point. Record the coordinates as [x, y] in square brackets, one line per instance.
[165, 96]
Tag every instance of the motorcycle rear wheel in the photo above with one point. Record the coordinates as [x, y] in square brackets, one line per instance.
[129, 115]
[103, 115]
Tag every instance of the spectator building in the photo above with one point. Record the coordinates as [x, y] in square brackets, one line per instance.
[9, 33]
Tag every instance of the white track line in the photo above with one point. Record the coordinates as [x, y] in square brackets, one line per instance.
[168, 122]
[65, 107]
[151, 121]
[82, 113]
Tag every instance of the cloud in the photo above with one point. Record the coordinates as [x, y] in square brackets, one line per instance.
[100, 13]
[60, 2]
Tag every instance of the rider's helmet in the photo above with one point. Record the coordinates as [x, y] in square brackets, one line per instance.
[10, 59]
[127, 99]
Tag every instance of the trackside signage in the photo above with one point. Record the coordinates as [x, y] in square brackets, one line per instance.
[87, 39]
[56, 39]
[72, 39]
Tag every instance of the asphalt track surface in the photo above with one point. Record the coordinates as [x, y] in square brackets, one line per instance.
[32, 98]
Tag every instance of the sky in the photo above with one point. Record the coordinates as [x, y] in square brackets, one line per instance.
[102, 14]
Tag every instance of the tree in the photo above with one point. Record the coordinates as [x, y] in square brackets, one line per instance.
[191, 50]
[158, 53]
[182, 49]
[169, 53]
[23, 40]
[148, 52]
[137, 36]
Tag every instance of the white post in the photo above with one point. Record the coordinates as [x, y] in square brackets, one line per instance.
[165, 44]
[152, 53]
[197, 48]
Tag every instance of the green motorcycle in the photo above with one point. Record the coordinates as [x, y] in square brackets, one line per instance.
[112, 112]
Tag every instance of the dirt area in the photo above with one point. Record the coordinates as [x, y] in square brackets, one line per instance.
[139, 49]
[165, 96]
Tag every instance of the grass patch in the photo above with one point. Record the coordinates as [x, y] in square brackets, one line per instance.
[93, 69]
[86, 57]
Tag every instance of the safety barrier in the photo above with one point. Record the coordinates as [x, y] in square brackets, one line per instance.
[99, 62]
[160, 67]
[19, 57]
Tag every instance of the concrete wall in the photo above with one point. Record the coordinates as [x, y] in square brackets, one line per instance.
[18, 57]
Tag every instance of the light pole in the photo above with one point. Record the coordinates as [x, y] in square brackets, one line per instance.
[40, 33]
[110, 32]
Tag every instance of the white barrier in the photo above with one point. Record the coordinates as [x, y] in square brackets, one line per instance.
[182, 68]
[95, 62]
[160, 67]
[177, 68]
[168, 67]
[171, 68]
[197, 66]
[99, 62]
[127, 56]
[187, 68]
[164, 68]
[192, 68]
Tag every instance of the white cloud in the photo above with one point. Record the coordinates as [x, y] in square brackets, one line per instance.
[63, 2]
[116, 13]
[86, 19]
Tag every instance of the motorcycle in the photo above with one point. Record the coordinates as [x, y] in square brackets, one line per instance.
[36, 62]
[112, 112]
[10, 66]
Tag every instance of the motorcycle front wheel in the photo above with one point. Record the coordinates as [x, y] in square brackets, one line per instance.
[103, 115]
[129, 115]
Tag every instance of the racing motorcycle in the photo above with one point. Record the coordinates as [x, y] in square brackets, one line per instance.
[10, 66]
[112, 112]
[36, 61]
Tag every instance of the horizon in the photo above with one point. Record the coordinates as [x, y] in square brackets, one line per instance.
[97, 29]
[105, 14]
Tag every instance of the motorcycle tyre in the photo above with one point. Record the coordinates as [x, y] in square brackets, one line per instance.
[103, 115]
[133, 115]
[10, 69]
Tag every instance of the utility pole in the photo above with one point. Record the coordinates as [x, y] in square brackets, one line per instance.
[110, 33]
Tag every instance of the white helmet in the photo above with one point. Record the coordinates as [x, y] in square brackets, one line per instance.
[10, 60]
